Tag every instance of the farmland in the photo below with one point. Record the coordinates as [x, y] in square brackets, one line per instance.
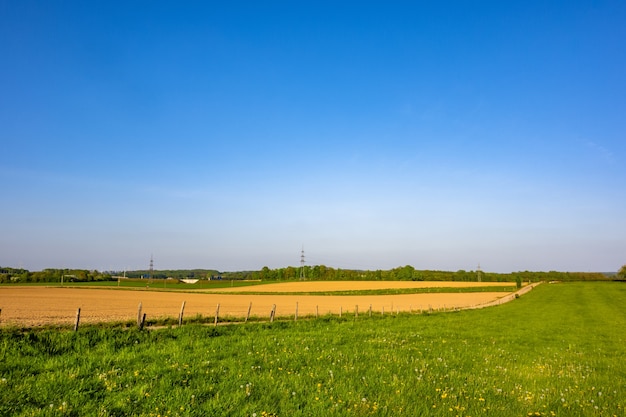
[39, 306]
[555, 351]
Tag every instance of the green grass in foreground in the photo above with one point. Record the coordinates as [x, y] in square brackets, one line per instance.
[557, 351]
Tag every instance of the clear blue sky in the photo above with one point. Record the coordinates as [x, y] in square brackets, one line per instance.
[228, 135]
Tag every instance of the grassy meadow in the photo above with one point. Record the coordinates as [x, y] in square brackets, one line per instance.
[557, 351]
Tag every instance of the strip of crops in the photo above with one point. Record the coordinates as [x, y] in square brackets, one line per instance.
[556, 351]
[386, 291]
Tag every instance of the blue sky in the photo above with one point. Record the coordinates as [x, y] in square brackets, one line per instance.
[229, 135]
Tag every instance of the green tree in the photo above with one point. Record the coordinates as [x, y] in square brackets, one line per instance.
[25, 276]
[265, 273]
[621, 274]
[290, 272]
[461, 275]
[315, 272]
[405, 273]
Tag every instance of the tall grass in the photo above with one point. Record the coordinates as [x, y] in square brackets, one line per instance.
[556, 351]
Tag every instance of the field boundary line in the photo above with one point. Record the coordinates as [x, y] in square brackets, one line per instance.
[506, 298]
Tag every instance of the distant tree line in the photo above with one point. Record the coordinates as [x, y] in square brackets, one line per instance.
[171, 273]
[314, 273]
[621, 274]
[409, 273]
[19, 275]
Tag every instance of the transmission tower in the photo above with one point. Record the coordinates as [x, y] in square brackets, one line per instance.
[302, 264]
[151, 267]
[479, 273]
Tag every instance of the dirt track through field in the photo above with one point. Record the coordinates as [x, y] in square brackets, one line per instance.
[37, 306]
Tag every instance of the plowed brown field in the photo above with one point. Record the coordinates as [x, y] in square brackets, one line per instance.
[37, 306]
[322, 286]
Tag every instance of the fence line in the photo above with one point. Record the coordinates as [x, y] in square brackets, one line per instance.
[141, 315]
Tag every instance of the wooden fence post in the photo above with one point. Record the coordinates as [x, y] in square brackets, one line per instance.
[356, 311]
[180, 315]
[272, 313]
[340, 311]
[217, 313]
[249, 309]
[370, 310]
[77, 319]
[142, 321]
[383, 312]
[139, 316]
[295, 318]
[317, 311]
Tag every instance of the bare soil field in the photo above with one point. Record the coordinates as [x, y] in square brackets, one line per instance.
[325, 286]
[38, 306]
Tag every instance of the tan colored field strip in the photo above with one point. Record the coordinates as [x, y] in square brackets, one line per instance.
[36, 306]
[324, 286]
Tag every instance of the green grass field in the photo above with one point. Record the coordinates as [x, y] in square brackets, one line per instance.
[557, 351]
